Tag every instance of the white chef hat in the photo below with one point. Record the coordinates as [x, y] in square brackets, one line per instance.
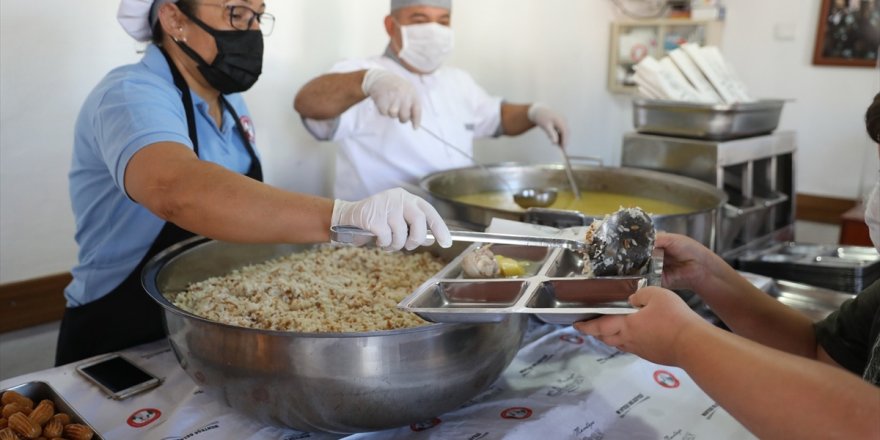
[138, 17]
[397, 4]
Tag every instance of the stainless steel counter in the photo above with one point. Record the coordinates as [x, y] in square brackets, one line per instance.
[815, 302]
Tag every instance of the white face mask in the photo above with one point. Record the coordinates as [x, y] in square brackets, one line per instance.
[872, 215]
[426, 45]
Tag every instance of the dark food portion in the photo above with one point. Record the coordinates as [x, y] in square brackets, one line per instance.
[620, 244]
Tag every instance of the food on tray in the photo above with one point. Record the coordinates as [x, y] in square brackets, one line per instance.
[324, 289]
[621, 243]
[13, 397]
[480, 263]
[483, 263]
[15, 407]
[22, 420]
[53, 428]
[43, 412]
[23, 426]
[510, 267]
[75, 431]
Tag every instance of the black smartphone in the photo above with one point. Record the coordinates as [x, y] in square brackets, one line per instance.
[117, 376]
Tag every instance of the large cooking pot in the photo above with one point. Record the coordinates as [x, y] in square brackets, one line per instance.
[700, 222]
[334, 382]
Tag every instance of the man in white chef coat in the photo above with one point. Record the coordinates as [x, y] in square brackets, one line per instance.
[383, 110]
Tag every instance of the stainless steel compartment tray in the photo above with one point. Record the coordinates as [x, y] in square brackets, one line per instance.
[706, 121]
[38, 391]
[844, 268]
[553, 289]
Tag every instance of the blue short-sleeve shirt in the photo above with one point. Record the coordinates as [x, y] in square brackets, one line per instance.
[132, 107]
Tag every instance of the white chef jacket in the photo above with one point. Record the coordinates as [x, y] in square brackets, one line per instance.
[378, 152]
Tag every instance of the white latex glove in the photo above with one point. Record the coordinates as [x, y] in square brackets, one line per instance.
[551, 122]
[397, 218]
[393, 95]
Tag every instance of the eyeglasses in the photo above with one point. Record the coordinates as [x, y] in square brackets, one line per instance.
[242, 18]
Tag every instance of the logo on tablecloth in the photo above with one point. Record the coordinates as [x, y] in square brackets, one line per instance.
[666, 379]
[710, 411]
[198, 431]
[567, 384]
[525, 371]
[572, 339]
[427, 424]
[516, 413]
[629, 405]
[143, 417]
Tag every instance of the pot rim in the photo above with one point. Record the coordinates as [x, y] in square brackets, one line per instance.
[722, 197]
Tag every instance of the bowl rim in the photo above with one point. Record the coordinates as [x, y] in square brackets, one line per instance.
[155, 265]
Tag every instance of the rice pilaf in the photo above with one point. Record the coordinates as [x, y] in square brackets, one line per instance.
[324, 289]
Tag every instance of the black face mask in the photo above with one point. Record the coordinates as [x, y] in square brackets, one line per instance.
[239, 60]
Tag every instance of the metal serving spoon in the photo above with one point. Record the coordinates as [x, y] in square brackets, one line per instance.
[359, 237]
[535, 197]
[544, 197]
[525, 198]
[620, 244]
[570, 174]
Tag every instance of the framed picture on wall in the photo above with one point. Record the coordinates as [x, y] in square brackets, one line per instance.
[848, 33]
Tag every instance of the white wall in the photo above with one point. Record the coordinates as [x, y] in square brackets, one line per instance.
[52, 53]
[835, 157]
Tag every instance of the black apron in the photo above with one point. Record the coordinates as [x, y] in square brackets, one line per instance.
[127, 316]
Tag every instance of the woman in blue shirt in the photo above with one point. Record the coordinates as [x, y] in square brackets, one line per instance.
[164, 149]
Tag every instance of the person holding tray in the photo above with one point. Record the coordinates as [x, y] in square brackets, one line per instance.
[777, 372]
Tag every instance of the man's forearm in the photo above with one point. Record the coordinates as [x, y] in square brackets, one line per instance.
[328, 96]
[779, 395]
[515, 119]
[756, 315]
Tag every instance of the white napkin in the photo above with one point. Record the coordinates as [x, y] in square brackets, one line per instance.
[664, 77]
[690, 70]
[504, 226]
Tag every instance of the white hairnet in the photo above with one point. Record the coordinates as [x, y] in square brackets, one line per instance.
[397, 4]
[138, 17]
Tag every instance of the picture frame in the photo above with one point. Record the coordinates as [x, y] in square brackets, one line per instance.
[848, 33]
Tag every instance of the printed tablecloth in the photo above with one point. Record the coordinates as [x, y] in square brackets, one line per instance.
[561, 385]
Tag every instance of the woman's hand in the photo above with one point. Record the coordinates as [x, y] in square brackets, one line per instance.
[686, 263]
[652, 332]
[397, 218]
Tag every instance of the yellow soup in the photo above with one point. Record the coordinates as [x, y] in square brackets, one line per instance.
[591, 203]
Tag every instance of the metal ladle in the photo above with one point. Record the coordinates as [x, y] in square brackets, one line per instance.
[570, 174]
[535, 197]
[525, 198]
[544, 197]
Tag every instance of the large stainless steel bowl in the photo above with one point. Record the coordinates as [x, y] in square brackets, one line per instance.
[334, 382]
[701, 223]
